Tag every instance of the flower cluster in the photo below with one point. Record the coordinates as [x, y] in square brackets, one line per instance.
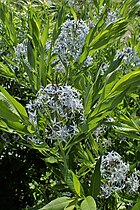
[116, 175]
[114, 172]
[130, 57]
[97, 15]
[99, 132]
[88, 62]
[64, 106]
[71, 40]
[20, 57]
[133, 182]
[112, 16]
[21, 49]
[69, 44]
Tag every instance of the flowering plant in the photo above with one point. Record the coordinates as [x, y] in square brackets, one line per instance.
[69, 95]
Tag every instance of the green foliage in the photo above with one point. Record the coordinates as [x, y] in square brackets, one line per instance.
[136, 206]
[100, 64]
[5, 71]
[112, 94]
[96, 180]
[14, 114]
[88, 203]
[59, 204]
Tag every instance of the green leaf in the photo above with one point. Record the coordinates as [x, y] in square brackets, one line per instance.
[94, 145]
[96, 4]
[88, 100]
[88, 203]
[7, 110]
[14, 126]
[114, 65]
[5, 71]
[14, 103]
[45, 34]
[57, 204]
[13, 115]
[112, 31]
[7, 17]
[112, 94]
[72, 207]
[60, 19]
[31, 76]
[41, 80]
[4, 126]
[76, 183]
[50, 159]
[35, 27]
[69, 180]
[73, 183]
[96, 180]
[84, 55]
[61, 15]
[136, 206]
[111, 80]
[31, 55]
[131, 80]
[18, 127]
[73, 12]
[104, 108]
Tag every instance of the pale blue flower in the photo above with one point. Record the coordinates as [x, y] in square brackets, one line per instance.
[114, 172]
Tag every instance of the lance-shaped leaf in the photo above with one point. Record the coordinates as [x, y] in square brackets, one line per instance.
[76, 183]
[57, 204]
[7, 110]
[6, 72]
[96, 180]
[7, 17]
[4, 126]
[112, 94]
[13, 116]
[112, 31]
[88, 203]
[131, 80]
[31, 52]
[13, 104]
[45, 33]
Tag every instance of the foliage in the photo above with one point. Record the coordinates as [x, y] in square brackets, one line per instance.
[69, 103]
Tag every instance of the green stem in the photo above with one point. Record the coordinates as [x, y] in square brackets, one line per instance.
[63, 155]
